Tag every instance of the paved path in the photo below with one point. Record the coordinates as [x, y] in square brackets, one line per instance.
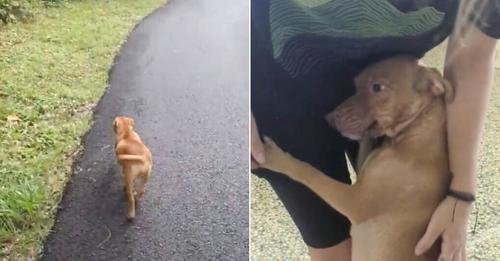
[183, 74]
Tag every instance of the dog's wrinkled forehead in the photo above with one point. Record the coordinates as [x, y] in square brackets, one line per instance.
[395, 69]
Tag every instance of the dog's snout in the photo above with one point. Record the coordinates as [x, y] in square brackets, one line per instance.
[337, 114]
[332, 119]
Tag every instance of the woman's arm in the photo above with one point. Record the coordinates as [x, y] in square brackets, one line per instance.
[257, 153]
[469, 67]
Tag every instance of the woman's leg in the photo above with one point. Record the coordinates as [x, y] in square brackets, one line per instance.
[291, 111]
[300, 129]
[320, 226]
[339, 252]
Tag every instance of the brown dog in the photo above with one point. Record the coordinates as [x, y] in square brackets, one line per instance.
[400, 183]
[134, 157]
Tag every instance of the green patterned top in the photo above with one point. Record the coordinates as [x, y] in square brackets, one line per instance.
[360, 21]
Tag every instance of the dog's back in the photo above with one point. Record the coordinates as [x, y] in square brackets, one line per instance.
[134, 158]
[398, 197]
[402, 182]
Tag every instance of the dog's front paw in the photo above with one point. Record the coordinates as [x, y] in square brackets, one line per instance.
[276, 159]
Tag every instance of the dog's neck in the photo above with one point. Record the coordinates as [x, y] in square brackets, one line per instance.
[123, 134]
[426, 132]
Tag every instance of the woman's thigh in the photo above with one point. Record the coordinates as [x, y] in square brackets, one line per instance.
[291, 111]
[300, 129]
[339, 252]
[319, 224]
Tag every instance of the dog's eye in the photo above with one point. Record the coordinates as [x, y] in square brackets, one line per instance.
[377, 87]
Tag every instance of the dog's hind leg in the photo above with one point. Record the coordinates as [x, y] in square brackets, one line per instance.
[129, 188]
[144, 177]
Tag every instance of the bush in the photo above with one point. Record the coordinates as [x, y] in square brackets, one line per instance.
[53, 2]
[12, 10]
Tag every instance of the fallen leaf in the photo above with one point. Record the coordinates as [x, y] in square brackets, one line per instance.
[12, 119]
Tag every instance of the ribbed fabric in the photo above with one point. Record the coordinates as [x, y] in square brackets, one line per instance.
[366, 20]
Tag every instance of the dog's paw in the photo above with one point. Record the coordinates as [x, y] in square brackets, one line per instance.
[276, 159]
[272, 149]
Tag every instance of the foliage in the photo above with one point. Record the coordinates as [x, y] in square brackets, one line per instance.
[52, 71]
[13, 10]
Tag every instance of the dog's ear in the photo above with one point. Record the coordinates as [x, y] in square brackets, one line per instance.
[115, 125]
[430, 79]
[131, 122]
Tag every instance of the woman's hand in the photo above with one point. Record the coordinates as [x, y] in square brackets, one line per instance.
[469, 68]
[450, 222]
[257, 152]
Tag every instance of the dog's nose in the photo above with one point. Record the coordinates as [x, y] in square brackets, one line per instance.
[332, 118]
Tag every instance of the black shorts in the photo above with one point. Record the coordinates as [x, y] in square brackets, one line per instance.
[306, 135]
[291, 111]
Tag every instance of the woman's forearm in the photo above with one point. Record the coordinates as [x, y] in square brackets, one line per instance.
[469, 67]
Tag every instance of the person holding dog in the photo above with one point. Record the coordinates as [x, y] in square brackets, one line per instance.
[304, 57]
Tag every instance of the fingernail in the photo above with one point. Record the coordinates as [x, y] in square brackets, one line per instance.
[259, 157]
[418, 250]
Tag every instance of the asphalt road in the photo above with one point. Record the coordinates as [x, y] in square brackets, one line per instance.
[183, 75]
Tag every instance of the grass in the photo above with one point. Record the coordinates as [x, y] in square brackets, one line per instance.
[52, 71]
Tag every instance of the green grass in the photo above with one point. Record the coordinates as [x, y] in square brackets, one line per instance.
[52, 71]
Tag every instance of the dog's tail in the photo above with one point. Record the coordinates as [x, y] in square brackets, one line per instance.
[124, 157]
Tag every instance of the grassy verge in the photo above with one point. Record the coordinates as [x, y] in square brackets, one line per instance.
[52, 72]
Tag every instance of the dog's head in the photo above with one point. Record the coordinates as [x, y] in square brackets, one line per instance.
[123, 124]
[389, 95]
